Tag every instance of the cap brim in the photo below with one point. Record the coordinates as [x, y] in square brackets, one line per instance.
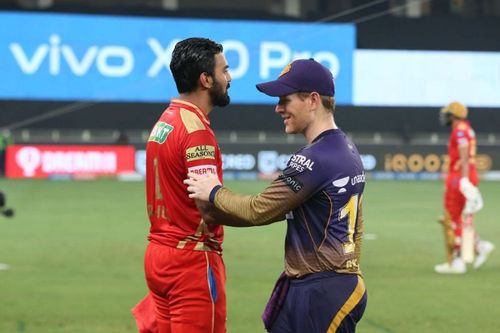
[275, 88]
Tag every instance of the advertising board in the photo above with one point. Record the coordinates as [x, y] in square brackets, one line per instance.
[43, 161]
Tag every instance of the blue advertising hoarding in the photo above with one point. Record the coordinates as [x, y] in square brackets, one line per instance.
[112, 58]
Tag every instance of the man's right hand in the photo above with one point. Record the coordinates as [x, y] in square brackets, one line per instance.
[200, 186]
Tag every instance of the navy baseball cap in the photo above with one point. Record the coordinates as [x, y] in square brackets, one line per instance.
[303, 75]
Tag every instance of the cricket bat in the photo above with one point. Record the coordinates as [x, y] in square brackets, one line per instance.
[468, 238]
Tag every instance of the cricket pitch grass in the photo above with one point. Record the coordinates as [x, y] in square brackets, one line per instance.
[74, 251]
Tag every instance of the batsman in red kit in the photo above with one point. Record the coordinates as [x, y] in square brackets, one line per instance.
[462, 197]
[183, 262]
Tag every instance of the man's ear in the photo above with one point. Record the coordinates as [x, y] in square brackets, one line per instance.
[206, 80]
[315, 100]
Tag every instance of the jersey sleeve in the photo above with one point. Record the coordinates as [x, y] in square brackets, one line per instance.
[462, 135]
[200, 153]
[302, 178]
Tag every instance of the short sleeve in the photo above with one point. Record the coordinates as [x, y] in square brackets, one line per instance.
[200, 152]
[462, 136]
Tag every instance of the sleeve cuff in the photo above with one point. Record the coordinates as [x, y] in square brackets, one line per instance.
[211, 197]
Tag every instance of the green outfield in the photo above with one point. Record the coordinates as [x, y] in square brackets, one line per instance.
[75, 255]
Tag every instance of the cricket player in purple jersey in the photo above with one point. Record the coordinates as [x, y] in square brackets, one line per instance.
[320, 195]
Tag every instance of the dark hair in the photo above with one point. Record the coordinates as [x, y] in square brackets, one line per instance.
[190, 58]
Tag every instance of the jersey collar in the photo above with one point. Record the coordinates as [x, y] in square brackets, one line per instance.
[193, 108]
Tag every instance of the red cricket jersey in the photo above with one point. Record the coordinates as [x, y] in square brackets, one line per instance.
[180, 141]
[462, 134]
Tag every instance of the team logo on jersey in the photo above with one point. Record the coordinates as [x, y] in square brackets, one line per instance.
[203, 169]
[292, 183]
[301, 163]
[160, 132]
[200, 153]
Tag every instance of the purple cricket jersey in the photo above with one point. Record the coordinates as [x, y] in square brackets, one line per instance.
[324, 233]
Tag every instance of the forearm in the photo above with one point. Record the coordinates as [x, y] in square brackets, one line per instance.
[267, 207]
[212, 215]
[465, 169]
[247, 208]
[463, 152]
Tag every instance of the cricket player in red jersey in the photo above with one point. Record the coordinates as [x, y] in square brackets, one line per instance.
[183, 261]
[461, 195]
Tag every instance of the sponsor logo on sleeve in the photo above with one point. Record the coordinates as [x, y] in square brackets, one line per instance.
[203, 169]
[160, 132]
[200, 153]
[462, 141]
[294, 184]
[301, 163]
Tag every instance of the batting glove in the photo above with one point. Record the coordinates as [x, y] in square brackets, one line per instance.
[473, 198]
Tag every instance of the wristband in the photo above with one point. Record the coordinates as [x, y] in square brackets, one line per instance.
[213, 192]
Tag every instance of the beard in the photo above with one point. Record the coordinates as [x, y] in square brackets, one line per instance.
[218, 95]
